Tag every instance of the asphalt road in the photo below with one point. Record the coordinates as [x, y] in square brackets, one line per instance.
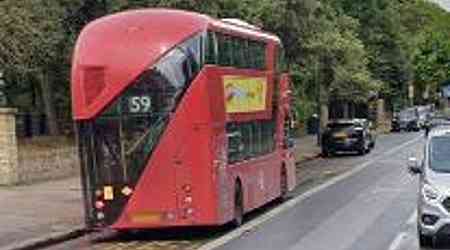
[372, 207]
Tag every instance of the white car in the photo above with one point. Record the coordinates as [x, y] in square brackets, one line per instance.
[433, 218]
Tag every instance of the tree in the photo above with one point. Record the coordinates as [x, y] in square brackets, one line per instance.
[29, 37]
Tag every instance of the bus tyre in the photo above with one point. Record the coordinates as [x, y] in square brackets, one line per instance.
[425, 240]
[238, 205]
[325, 152]
[283, 184]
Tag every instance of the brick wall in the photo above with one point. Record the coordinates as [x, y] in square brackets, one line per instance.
[8, 147]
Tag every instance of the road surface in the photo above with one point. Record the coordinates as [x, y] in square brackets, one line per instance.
[353, 203]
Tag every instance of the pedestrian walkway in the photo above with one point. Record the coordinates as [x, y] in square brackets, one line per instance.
[32, 213]
[306, 148]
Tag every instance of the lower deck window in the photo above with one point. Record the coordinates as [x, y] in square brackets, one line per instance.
[248, 140]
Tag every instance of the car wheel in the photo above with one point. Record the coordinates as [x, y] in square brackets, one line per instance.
[325, 152]
[283, 184]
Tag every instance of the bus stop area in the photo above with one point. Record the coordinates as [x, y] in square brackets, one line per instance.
[50, 211]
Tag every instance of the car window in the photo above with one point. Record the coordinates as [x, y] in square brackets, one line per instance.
[339, 126]
[440, 153]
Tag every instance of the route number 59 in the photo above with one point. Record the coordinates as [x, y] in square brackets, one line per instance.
[140, 104]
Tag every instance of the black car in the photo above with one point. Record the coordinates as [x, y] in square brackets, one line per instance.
[406, 120]
[348, 135]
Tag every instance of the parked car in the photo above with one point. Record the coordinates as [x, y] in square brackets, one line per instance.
[406, 120]
[348, 135]
[395, 123]
[433, 218]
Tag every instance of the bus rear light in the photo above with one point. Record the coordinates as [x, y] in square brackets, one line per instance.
[146, 217]
[100, 216]
[98, 193]
[188, 199]
[127, 191]
[170, 216]
[187, 188]
[189, 212]
[99, 204]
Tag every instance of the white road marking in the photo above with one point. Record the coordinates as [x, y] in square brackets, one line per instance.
[403, 236]
[412, 219]
[252, 225]
[398, 241]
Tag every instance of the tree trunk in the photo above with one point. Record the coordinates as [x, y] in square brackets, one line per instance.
[49, 105]
[324, 113]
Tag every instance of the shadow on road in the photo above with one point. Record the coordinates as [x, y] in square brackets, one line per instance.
[196, 234]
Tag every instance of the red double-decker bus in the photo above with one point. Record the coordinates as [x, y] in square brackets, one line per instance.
[181, 119]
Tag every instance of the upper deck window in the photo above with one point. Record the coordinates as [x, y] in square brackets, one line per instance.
[231, 51]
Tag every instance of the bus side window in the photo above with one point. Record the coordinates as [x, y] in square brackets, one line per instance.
[238, 53]
[226, 50]
[235, 143]
[211, 49]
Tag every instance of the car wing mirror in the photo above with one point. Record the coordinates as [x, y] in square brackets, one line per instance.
[413, 166]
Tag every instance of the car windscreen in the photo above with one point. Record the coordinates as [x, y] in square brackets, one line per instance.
[340, 126]
[440, 153]
[406, 115]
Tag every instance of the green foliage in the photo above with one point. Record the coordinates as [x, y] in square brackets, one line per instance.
[350, 48]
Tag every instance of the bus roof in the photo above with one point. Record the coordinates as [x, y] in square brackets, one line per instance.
[112, 51]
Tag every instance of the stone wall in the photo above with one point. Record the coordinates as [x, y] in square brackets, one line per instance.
[32, 160]
[8, 147]
[51, 163]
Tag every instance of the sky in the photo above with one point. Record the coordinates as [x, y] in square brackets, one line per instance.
[444, 3]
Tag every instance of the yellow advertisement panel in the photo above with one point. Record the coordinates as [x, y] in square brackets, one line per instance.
[245, 94]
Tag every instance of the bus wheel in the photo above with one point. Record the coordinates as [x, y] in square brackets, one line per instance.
[283, 184]
[238, 206]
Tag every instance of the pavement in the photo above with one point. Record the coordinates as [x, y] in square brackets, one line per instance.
[33, 214]
[306, 148]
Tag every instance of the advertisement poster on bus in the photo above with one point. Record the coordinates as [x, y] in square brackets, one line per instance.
[245, 94]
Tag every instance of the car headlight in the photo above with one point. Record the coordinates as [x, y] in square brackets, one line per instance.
[430, 193]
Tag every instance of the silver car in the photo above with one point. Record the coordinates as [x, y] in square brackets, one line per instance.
[433, 218]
